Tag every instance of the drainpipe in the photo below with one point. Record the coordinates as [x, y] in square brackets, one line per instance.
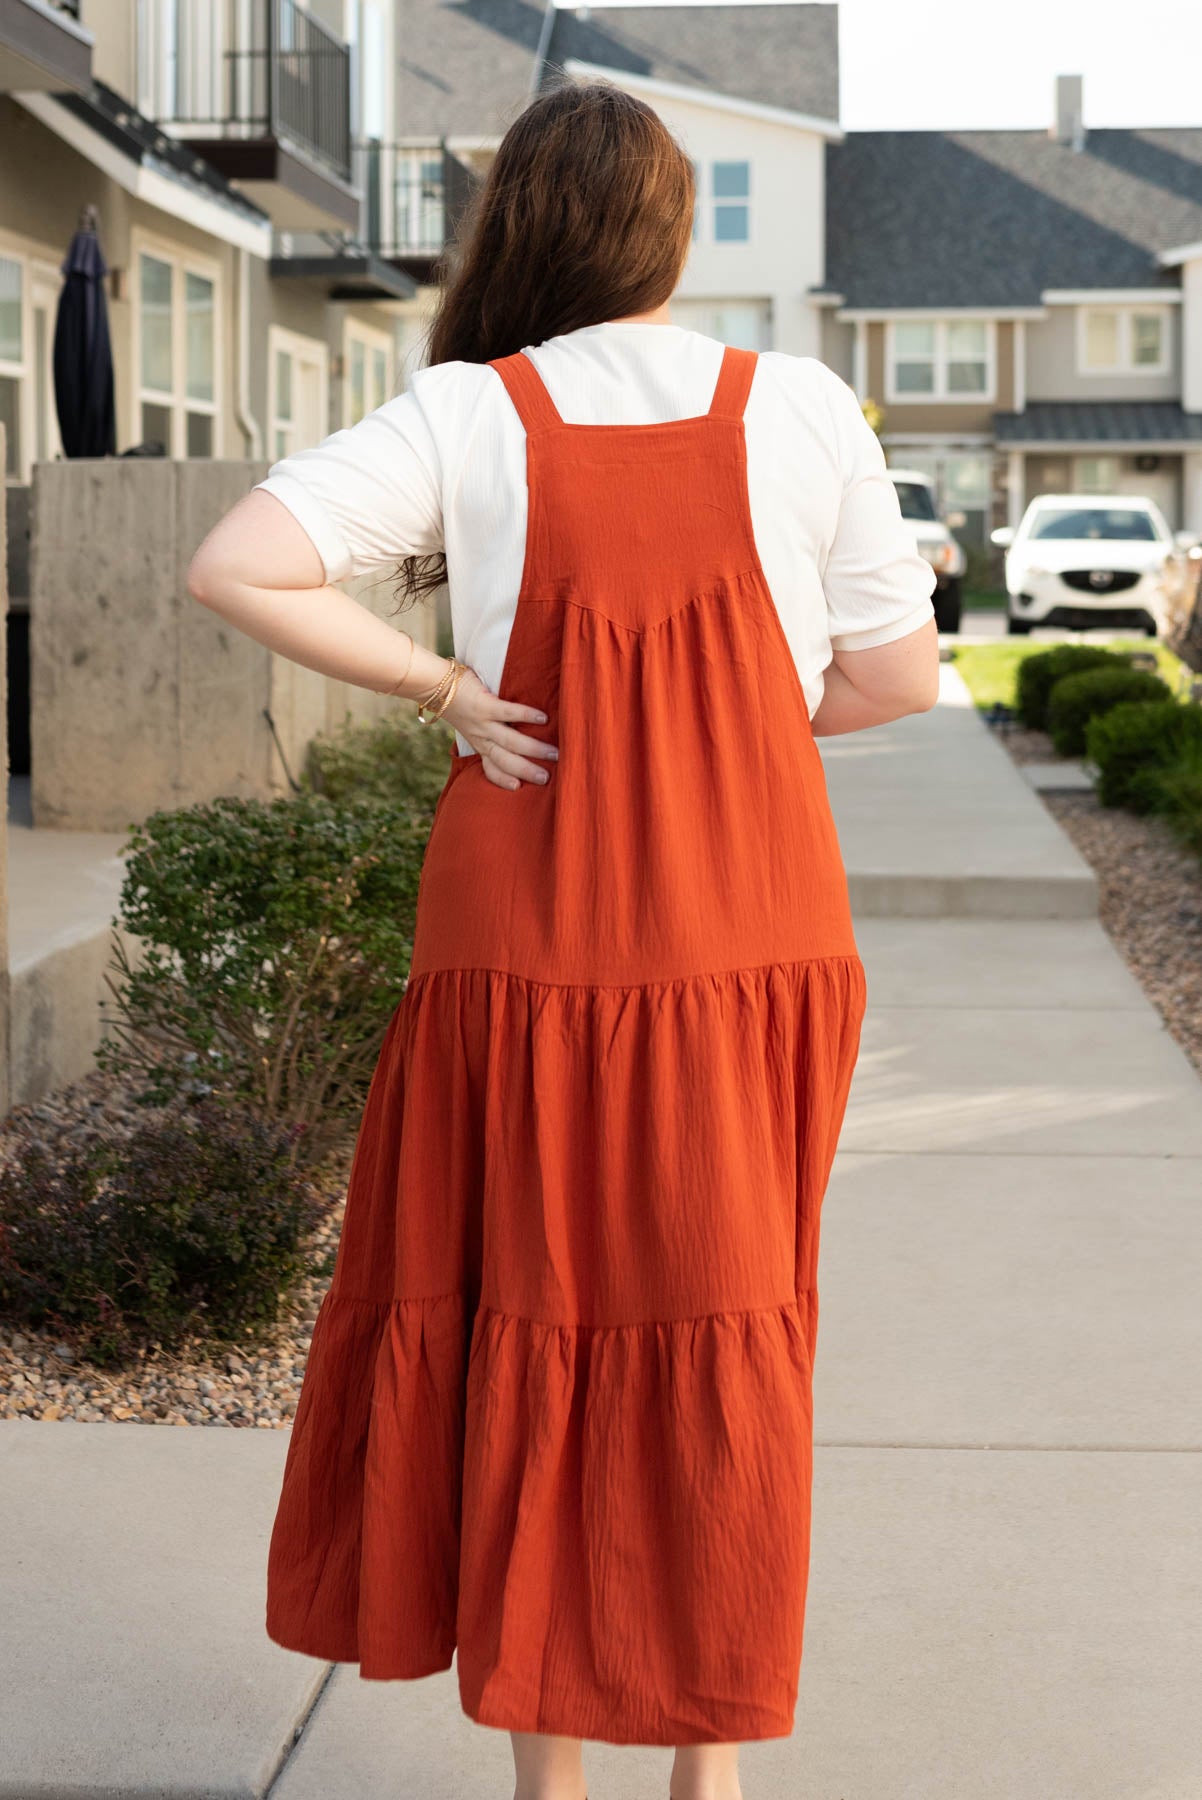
[248, 425]
[544, 43]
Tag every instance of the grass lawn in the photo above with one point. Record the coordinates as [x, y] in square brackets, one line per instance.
[989, 669]
[984, 600]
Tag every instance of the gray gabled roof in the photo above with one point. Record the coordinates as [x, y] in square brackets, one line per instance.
[785, 56]
[465, 67]
[992, 218]
[1099, 422]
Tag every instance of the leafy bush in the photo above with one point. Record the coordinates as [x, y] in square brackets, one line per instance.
[1134, 741]
[190, 1226]
[1076, 699]
[1038, 674]
[275, 942]
[1175, 792]
[394, 759]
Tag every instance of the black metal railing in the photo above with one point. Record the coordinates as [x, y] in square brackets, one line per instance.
[249, 69]
[70, 7]
[413, 198]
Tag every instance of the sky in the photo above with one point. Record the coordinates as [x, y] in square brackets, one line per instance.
[977, 64]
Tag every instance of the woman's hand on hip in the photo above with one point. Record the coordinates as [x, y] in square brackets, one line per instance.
[489, 725]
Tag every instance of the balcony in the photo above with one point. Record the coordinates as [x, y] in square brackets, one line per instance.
[43, 48]
[261, 90]
[413, 201]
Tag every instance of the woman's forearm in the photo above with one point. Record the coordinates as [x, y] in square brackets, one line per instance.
[324, 629]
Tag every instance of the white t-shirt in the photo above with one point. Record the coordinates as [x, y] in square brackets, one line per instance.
[443, 467]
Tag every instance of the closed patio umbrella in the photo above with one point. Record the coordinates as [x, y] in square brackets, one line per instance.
[83, 353]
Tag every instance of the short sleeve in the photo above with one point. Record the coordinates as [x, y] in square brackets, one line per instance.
[368, 495]
[877, 585]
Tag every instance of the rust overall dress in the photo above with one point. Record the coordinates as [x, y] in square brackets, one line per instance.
[556, 1423]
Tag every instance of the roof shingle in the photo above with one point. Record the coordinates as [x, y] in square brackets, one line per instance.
[1099, 422]
[992, 218]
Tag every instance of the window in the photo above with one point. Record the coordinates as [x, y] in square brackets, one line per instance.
[1123, 340]
[296, 392]
[940, 359]
[12, 358]
[1098, 474]
[177, 354]
[696, 167]
[368, 372]
[420, 201]
[1125, 524]
[963, 481]
[731, 198]
[29, 292]
[745, 323]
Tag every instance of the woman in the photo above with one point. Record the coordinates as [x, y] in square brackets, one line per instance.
[556, 1420]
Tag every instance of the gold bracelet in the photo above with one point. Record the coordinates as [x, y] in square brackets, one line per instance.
[390, 692]
[436, 703]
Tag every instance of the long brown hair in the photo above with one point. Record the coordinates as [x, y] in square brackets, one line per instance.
[585, 215]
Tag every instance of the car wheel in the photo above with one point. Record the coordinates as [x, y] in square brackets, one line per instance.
[948, 603]
[1018, 627]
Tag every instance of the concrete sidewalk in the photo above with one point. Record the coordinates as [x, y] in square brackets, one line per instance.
[1006, 1581]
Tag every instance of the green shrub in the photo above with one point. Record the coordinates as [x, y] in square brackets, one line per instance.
[275, 943]
[1038, 674]
[191, 1226]
[1135, 740]
[1076, 699]
[1175, 792]
[391, 759]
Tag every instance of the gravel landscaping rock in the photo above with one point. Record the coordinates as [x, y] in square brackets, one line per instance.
[1150, 894]
[257, 1389]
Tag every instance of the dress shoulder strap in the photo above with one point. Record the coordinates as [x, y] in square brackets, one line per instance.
[527, 390]
[733, 384]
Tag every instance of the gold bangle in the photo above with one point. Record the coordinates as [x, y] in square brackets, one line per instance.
[449, 685]
[436, 703]
[390, 692]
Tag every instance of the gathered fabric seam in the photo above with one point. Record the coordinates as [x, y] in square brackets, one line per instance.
[483, 1306]
[624, 987]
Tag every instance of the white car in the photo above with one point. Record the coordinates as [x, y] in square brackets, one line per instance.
[1083, 560]
[916, 496]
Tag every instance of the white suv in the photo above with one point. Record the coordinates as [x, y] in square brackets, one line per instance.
[933, 538]
[1082, 560]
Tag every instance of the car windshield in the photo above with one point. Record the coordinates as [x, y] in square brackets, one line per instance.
[916, 500]
[1123, 522]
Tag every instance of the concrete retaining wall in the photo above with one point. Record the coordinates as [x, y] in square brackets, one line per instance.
[141, 698]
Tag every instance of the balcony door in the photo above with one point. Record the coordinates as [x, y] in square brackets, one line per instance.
[187, 74]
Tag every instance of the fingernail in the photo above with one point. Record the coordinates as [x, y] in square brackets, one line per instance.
[544, 775]
[552, 752]
[542, 718]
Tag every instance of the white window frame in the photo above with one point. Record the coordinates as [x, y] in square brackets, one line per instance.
[371, 339]
[36, 274]
[939, 394]
[20, 372]
[715, 200]
[183, 263]
[302, 350]
[1126, 315]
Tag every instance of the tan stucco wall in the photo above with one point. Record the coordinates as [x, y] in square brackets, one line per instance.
[141, 697]
[945, 418]
[44, 185]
